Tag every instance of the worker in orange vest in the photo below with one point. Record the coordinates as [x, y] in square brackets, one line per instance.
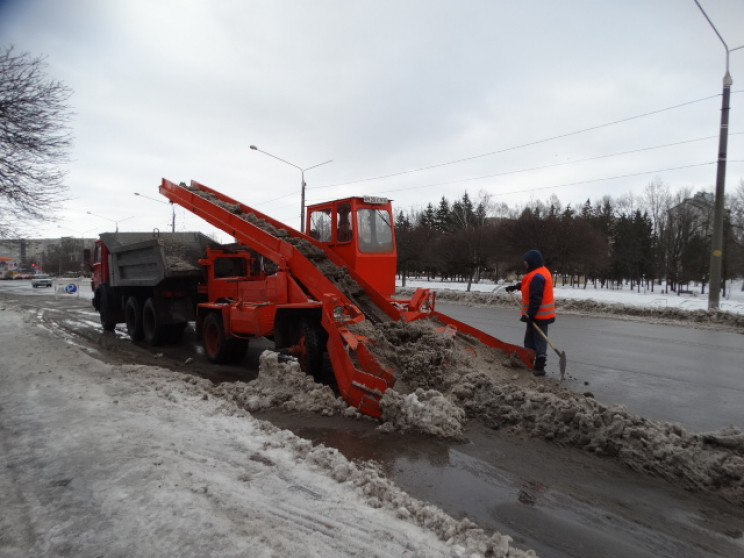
[538, 306]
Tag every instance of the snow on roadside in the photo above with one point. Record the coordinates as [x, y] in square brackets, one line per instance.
[452, 383]
[106, 459]
[711, 462]
[695, 299]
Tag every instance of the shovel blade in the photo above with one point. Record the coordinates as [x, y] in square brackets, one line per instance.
[562, 354]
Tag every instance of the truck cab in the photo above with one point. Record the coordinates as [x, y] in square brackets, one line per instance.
[360, 231]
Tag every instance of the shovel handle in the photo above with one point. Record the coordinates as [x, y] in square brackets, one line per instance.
[542, 333]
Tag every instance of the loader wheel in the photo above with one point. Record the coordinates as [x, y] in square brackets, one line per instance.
[133, 318]
[153, 331]
[309, 349]
[217, 346]
[107, 310]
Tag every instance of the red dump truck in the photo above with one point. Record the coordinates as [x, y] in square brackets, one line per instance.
[304, 290]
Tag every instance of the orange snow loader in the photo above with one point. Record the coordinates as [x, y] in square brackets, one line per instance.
[306, 291]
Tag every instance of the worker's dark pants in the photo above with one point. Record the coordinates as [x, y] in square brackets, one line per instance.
[533, 340]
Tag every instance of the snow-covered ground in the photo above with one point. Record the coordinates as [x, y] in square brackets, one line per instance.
[101, 459]
[658, 298]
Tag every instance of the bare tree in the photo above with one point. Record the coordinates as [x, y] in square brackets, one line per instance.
[34, 140]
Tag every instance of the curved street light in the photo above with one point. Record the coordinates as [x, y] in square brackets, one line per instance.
[716, 243]
[302, 171]
[173, 209]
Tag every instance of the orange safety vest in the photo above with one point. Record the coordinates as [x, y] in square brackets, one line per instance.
[547, 306]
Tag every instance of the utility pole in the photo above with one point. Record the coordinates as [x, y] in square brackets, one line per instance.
[716, 255]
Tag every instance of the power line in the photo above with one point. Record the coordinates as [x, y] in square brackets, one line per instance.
[521, 146]
[553, 165]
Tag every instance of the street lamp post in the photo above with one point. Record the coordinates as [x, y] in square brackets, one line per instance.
[716, 255]
[302, 171]
[173, 209]
[109, 219]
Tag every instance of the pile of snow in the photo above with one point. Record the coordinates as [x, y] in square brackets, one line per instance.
[712, 462]
[283, 385]
[447, 380]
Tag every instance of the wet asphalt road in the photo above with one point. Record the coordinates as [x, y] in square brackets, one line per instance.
[560, 502]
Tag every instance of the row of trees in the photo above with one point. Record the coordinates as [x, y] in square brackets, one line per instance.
[662, 235]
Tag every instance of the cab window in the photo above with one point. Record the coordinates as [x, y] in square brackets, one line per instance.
[320, 225]
[375, 230]
[229, 267]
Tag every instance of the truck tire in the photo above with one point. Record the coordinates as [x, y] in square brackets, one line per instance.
[218, 348]
[133, 318]
[107, 308]
[153, 331]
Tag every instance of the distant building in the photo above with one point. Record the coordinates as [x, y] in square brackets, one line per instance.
[48, 254]
[696, 214]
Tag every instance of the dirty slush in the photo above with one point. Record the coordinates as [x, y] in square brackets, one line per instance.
[445, 380]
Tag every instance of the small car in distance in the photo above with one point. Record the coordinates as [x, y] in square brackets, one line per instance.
[41, 280]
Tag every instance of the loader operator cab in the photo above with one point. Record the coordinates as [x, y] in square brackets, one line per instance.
[360, 231]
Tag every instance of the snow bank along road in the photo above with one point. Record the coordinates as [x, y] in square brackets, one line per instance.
[712, 536]
[129, 460]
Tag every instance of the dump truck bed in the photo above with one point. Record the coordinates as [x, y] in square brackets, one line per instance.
[147, 259]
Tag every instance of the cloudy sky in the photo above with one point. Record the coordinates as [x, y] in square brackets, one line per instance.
[409, 99]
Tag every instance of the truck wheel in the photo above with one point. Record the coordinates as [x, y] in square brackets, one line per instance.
[153, 331]
[133, 318]
[107, 309]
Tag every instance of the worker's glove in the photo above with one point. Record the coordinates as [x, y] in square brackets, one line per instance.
[511, 288]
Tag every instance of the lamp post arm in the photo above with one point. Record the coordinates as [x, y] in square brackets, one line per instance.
[277, 158]
[725, 46]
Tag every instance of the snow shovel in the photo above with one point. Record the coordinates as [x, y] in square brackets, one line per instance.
[561, 354]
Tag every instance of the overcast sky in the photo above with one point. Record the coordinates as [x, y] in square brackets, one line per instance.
[410, 99]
